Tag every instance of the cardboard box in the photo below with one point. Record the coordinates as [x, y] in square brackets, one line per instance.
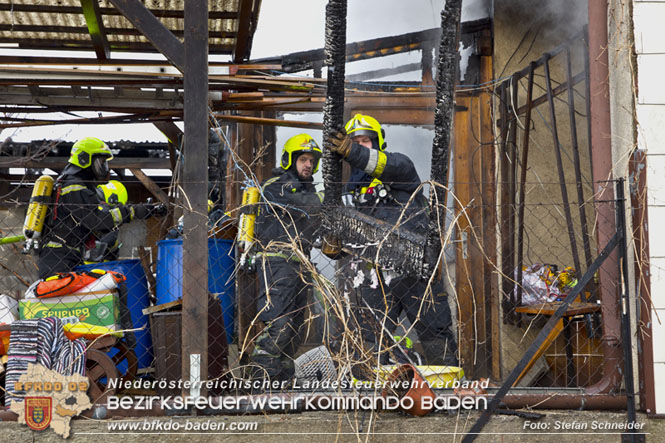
[97, 308]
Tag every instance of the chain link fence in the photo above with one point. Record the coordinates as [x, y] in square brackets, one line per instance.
[282, 313]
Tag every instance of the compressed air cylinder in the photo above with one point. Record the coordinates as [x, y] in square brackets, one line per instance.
[250, 197]
[39, 201]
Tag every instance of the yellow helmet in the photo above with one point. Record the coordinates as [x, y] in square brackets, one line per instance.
[84, 149]
[300, 144]
[92, 152]
[366, 125]
[114, 192]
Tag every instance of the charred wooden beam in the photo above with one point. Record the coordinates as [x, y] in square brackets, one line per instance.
[165, 13]
[269, 121]
[77, 61]
[85, 45]
[381, 242]
[173, 135]
[170, 130]
[445, 89]
[378, 73]
[195, 186]
[150, 185]
[299, 61]
[107, 31]
[241, 49]
[333, 110]
[93, 19]
[161, 37]
[61, 162]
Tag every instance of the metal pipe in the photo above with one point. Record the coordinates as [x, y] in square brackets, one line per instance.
[576, 162]
[601, 154]
[559, 163]
[522, 196]
[625, 313]
[507, 303]
[576, 401]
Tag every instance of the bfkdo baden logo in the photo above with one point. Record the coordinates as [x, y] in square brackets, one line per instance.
[38, 412]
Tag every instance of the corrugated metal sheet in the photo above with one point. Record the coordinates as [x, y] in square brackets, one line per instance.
[48, 24]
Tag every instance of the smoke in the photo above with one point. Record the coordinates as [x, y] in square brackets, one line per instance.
[476, 9]
[554, 19]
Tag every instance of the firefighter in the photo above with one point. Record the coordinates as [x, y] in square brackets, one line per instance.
[380, 185]
[287, 217]
[76, 211]
[106, 246]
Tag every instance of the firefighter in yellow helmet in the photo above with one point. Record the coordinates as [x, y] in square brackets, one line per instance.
[104, 246]
[287, 219]
[381, 185]
[75, 210]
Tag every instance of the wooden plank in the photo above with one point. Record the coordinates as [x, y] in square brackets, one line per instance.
[268, 121]
[195, 186]
[489, 230]
[85, 45]
[93, 20]
[77, 61]
[554, 333]
[173, 135]
[378, 73]
[476, 240]
[166, 13]
[162, 307]
[61, 162]
[575, 308]
[86, 30]
[463, 269]
[150, 185]
[240, 52]
[375, 47]
[161, 38]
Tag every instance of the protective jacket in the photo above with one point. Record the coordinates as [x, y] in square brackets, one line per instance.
[397, 174]
[289, 210]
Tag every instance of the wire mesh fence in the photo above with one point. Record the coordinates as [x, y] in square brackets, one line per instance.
[282, 315]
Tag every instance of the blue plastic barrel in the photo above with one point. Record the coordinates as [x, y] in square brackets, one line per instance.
[138, 298]
[221, 263]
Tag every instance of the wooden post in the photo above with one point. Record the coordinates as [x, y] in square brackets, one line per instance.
[248, 138]
[195, 185]
[464, 269]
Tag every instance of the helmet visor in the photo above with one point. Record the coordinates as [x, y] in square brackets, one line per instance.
[100, 167]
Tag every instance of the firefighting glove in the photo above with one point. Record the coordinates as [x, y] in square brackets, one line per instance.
[332, 248]
[340, 143]
[159, 210]
[143, 211]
